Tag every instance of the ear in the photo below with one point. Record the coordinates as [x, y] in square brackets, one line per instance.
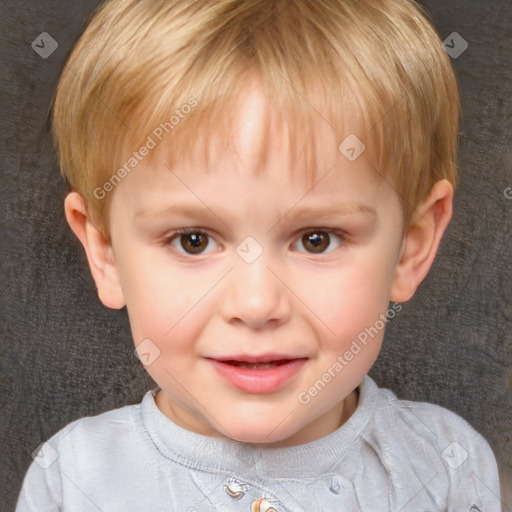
[422, 241]
[98, 250]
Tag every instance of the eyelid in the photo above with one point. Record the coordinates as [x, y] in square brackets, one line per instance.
[185, 231]
[343, 235]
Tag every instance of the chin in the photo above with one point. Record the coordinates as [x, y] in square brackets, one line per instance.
[261, 433]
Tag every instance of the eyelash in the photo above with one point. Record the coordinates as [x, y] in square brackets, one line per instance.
[187, 256]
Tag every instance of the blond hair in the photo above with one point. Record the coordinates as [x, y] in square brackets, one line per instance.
[139, 62]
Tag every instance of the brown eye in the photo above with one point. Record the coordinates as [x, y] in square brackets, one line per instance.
[319, 241]
[194, 243]
[189, 242]
[316, 241]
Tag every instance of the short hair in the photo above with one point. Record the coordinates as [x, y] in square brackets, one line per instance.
[139, 63]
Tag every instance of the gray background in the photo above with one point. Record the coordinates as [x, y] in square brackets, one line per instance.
[63, 355]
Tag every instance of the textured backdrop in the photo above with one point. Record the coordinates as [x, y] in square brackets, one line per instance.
[63, 355]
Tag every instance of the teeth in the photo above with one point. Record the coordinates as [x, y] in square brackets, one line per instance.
[256, 366]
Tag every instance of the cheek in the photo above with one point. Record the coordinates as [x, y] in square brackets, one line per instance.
[350, 299]
[167, 305]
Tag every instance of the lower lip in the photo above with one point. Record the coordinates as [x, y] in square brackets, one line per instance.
[258, 381]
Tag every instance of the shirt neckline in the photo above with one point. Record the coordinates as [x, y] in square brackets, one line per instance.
[228, 456]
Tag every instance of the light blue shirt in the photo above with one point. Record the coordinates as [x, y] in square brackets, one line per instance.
[391, 455]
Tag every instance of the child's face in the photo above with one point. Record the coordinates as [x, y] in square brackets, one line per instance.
[210, 296]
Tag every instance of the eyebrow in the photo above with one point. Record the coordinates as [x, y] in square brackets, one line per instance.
[338, 210]
[294, 213]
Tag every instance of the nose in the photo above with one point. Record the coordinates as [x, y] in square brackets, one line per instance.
[256, 296]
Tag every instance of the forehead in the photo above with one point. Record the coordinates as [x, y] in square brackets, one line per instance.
[258, 137]
[253, 168]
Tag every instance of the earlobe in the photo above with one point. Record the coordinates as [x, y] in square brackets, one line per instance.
[422, 241]
[98, 250]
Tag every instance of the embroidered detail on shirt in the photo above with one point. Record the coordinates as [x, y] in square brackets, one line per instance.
[335, 486]
[262, 505]
[235, 489]
[474, 508]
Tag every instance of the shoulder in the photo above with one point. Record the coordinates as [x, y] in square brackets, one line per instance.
[107, 432]
[430, 425]
[435, 444]
[90, 437]
[86, 450]
[113, 419]
[435, 425]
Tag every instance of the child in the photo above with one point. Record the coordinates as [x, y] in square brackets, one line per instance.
[256, 181]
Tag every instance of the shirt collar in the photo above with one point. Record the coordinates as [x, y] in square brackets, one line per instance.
[223, 455]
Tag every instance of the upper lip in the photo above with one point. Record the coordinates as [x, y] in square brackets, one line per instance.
[262, 358]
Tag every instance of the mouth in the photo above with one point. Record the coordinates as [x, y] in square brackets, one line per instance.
[257, 362]
[257, 366]
[258, 374]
